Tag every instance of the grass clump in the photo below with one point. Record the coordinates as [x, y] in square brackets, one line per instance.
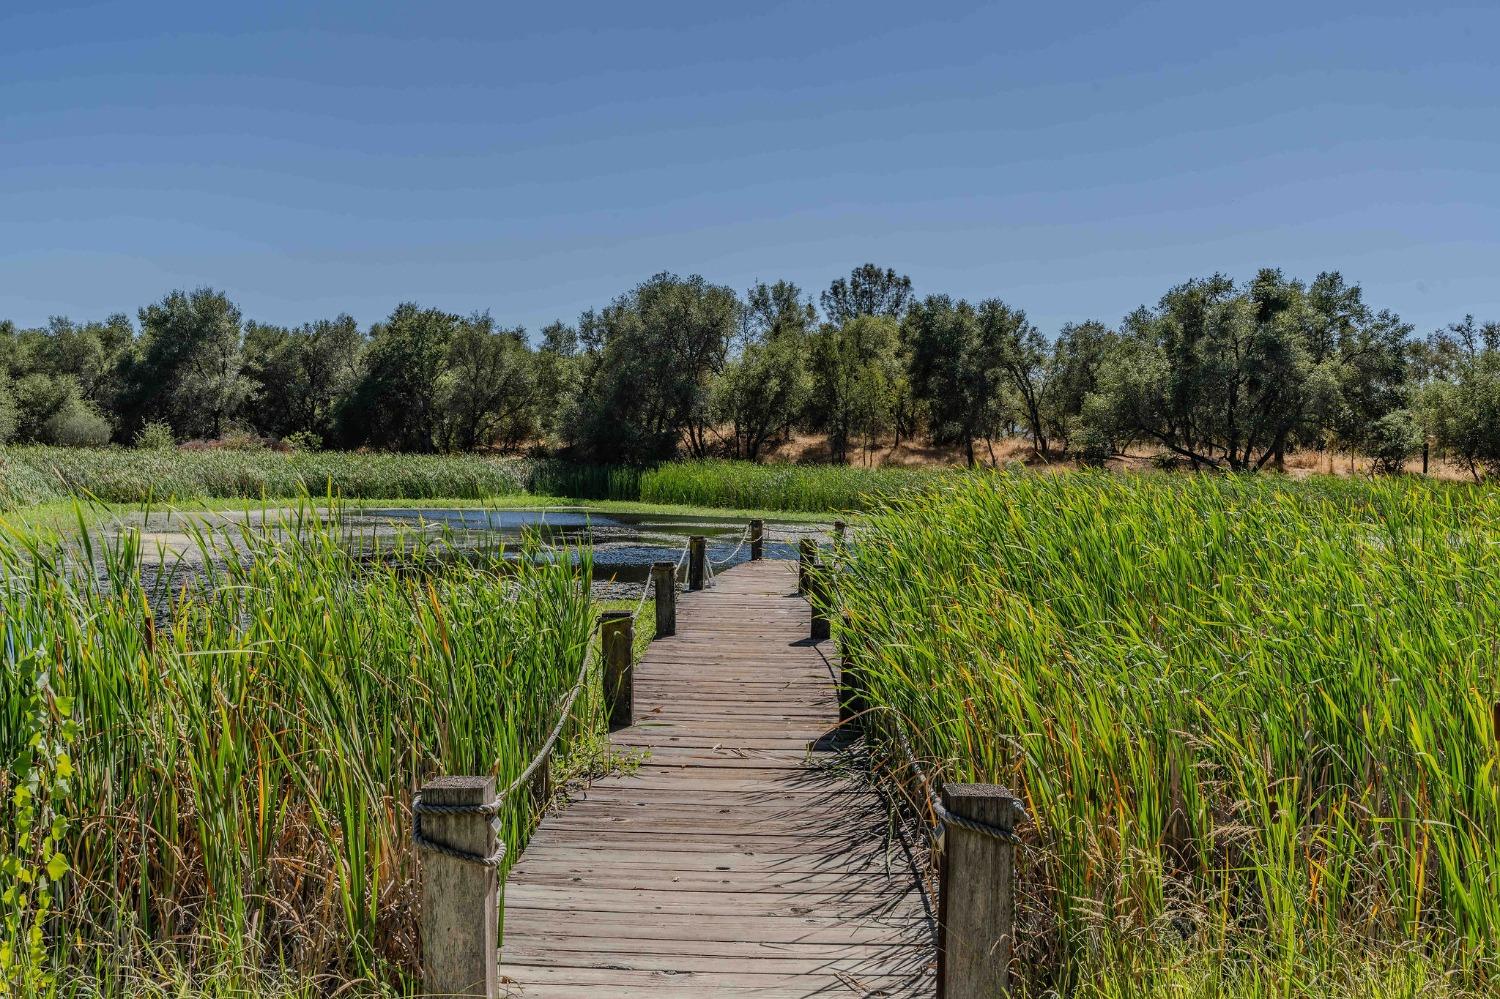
[31, 475]
[1254, 721]
[240, 763]
[809, 488]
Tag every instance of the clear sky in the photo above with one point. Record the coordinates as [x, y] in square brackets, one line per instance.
[536, 159]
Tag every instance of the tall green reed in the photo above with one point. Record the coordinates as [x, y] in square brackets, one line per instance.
[1254, 721]
[807, 488]
[249, 743]
[35, 474]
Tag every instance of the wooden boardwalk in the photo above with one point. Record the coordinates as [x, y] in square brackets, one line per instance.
[741, 858]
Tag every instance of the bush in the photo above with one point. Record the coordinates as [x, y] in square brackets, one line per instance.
[1394, 438]
[303, 440]
[1091, 443]
[155, 436]
[77, 424]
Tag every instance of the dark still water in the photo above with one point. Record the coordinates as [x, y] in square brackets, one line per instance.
[624, 545]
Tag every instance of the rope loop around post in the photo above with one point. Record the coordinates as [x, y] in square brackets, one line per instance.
[491, 809]
[942, 817]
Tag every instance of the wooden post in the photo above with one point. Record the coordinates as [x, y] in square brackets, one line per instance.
[460, 919]
[807, 553]
[541, 786]
[664, 589]
[838, 535]
[617, 642]
[976, 894]
[757, 540]
[697, 561]
[817, 599]
[851, 690]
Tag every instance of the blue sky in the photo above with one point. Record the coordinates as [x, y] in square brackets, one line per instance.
[537, 159]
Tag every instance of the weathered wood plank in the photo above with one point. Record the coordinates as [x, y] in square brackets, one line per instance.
[731, 862]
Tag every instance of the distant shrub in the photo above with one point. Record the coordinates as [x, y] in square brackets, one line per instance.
[1394, 438]
[77, 424]
[303, 440]
[241, 440]
[155, 436]
[1091, 443]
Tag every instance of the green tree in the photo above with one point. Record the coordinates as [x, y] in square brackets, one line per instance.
[650, 360]
[856, 376]
[1078, 355]
[1229, 378]
[954, 371]
[559, 373]
[188, 369]
[487, 392]
[302, 376]
[761, 393]
[763, 389]
[1461, 397]
[1019, 353]
[396, 403]
[868, 291]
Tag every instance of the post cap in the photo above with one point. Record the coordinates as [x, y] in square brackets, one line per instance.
[965, 799]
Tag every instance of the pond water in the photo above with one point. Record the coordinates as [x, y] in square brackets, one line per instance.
[624, 544]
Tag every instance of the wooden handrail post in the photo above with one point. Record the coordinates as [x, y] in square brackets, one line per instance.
[664, 590]
[976, 894]
[838, 535]
[697, 561]
[851, 687]
[617, 643]
[460, 919]
[807, 553]
[757, 540]
[541, 786]
[817, 599]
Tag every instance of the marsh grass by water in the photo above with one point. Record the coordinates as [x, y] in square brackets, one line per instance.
[1254, 722]
[234, 784]
[32, 475]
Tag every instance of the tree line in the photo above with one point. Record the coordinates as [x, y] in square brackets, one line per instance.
[1216, 374]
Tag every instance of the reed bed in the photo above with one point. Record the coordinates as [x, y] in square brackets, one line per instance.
[549, 477]
[35, 474]
[228, 780]
[1254, 722]
[804, 488]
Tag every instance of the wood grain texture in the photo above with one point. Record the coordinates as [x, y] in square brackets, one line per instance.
[740, 859]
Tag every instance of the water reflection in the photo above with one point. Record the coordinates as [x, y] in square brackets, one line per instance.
[624, 545]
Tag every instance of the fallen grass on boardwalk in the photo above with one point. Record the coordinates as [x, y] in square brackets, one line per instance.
[1254, 721]
[235, 805]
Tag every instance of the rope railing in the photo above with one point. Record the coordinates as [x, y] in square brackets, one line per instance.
[744, 538]
[941, 816]
[491, 809]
